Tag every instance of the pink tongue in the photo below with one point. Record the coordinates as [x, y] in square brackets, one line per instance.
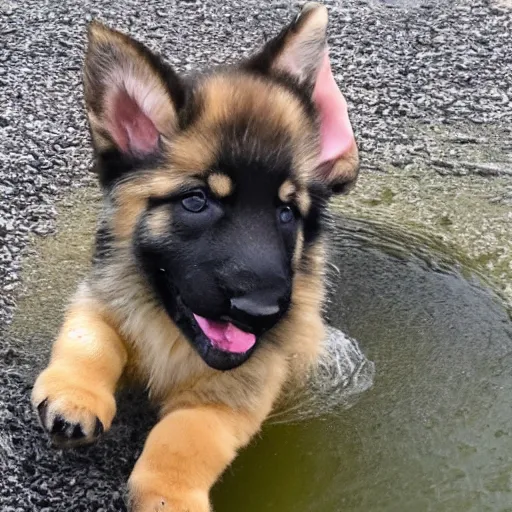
[225, 336]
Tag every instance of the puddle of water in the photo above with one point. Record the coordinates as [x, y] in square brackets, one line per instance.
[459, 214]
[52, 275]
[433, 433]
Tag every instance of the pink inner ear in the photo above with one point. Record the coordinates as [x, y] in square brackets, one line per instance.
[132, 130]
[336, 134]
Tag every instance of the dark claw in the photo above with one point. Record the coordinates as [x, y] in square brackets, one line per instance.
[98, 428]
[59, 426]
[42, 409]
[77, 433]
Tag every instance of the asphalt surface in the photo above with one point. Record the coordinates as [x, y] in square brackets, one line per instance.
[402, 65]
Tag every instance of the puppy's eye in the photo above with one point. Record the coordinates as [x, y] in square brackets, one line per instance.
[195, 201]
[286, 214]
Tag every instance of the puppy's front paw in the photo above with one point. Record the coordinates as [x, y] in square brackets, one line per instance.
[71, 409]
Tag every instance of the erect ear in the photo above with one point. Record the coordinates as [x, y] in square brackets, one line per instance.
[300, 52]
[131, 96]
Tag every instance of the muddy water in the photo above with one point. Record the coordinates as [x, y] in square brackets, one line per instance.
[434, 433]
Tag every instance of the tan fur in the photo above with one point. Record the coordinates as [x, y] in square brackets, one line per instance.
[287, 191]
[87, 361]
[168, 471]
[194, 151]
[130, 198]
[299, 246]
[250, 95]
[304, 201]
[158, 222]
[220, 184]
[260, 100]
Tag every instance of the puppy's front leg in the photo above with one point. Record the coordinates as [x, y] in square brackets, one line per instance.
[74, 395]
[185, 454]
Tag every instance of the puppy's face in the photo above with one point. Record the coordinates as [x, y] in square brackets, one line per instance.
[219, 183]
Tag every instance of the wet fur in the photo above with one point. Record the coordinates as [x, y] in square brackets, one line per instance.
[116, 327]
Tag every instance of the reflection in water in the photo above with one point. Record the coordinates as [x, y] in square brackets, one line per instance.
[433, 433]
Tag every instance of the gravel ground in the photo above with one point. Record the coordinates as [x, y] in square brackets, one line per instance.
[407, 68]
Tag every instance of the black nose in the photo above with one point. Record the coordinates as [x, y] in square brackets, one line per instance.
[258, 310]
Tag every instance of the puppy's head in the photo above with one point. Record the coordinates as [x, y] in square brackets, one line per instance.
[218, 183]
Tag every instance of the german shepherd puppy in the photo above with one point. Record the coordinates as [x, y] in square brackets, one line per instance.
[207, 282]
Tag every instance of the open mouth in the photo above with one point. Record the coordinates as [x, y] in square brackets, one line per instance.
[221, 344]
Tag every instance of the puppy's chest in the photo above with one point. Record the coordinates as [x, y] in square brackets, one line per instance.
[161, 359]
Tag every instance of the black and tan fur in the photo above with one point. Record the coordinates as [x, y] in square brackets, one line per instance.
[223, 131]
